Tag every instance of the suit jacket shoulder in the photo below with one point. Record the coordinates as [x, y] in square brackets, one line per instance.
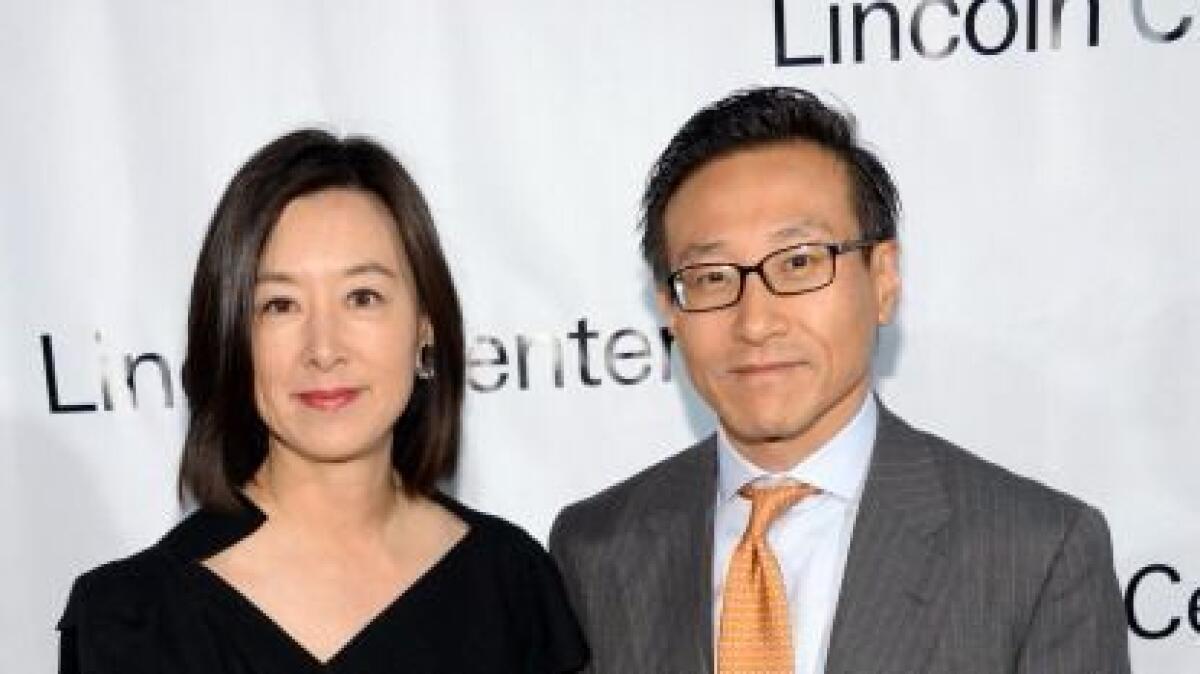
[974, 567]
[976, 471]
[637, 559]
[673, 483]
[991, 506]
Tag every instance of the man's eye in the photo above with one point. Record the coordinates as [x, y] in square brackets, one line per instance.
[709, 278]
[364, 297]
[277, 305]
[797, 261]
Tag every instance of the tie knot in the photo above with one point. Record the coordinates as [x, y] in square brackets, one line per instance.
[768, 503]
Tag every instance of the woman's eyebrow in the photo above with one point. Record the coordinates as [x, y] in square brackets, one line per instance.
[370, 268]
[363, 269]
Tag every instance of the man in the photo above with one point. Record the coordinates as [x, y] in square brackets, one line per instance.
[815, 531]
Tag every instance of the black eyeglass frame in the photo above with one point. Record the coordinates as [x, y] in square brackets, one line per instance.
[744, 270]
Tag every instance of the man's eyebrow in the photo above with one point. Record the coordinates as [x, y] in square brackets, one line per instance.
[695, 250]
[807, 229]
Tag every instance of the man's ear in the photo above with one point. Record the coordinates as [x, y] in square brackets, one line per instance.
[885, 275]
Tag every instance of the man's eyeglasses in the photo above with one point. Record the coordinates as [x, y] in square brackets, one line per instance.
[794, 270]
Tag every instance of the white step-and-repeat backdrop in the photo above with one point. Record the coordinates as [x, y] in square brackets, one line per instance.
[1046, 152]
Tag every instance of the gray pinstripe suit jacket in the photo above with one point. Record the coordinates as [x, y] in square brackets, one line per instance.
[956, 566]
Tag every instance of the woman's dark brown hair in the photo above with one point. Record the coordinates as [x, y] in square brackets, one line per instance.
[226, 439]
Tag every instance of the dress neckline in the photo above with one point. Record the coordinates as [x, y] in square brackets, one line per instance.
[215, 531]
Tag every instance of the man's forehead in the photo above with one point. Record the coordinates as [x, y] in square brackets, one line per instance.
[736, 240]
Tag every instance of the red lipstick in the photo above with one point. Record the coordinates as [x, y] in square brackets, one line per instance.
[328, 399]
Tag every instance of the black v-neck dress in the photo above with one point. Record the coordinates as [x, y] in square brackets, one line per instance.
[493, 603]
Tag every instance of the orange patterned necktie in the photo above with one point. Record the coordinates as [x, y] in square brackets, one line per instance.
[755, 632]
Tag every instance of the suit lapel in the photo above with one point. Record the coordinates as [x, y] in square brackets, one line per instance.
[896, 571]
[679, 525]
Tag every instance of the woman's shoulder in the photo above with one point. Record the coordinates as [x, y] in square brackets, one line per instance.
[129, 588]
[495, 532]
[122, 589]
[506, 547]
[533, 590]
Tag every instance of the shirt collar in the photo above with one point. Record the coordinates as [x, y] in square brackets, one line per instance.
[839, 467]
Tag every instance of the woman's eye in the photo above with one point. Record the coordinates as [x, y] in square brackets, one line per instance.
[365, 297]
[277, 305]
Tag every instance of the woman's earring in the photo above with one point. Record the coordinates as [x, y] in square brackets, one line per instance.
[425, 363]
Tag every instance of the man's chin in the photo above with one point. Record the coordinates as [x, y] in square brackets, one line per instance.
[774, 447]
[765, 433]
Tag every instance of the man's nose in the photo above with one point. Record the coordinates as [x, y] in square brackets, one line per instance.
[759, 312]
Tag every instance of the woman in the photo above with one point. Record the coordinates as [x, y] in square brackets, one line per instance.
[324, 376]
